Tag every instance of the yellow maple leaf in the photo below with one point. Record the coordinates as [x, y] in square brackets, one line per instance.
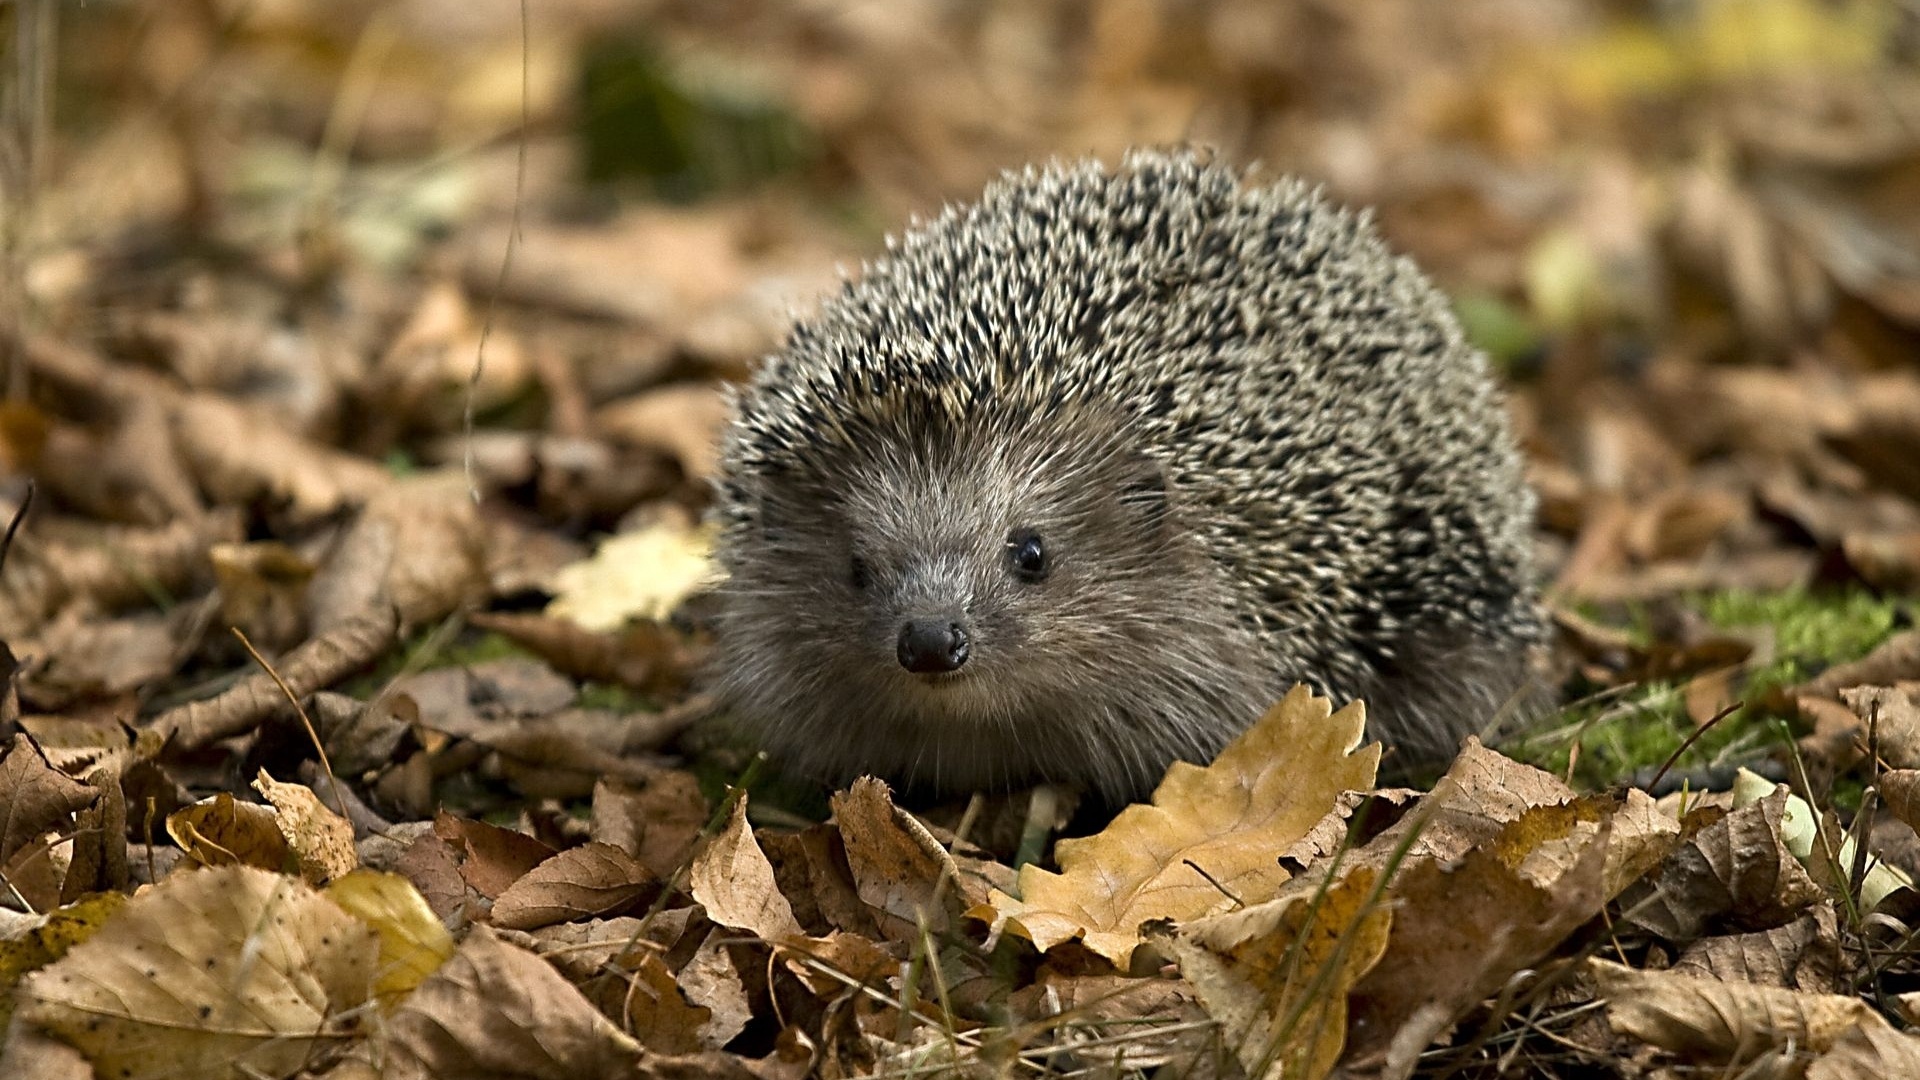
[1210, 838]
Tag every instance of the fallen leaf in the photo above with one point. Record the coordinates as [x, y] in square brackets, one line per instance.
[1208, 840]
[493, 858]
[1437, 965]
[222, 831]
[635, 575]
[1725, 1023]
[413, 943]
[497, 1010]
[35, 798]
[898, 868]
[590, 880]
[227, 972]
[657, 824]
[733, 880]
[321, 841]
[1735, 871]
[1276, 975]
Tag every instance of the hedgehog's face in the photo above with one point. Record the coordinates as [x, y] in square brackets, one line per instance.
[930, 598]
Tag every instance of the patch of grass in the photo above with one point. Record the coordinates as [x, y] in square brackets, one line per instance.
[1627, 734]
[432, 648]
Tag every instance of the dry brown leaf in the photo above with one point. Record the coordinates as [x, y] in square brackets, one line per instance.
[646, 656]
[1869, 1052]
[657, 1013]
[1437, 965]
[1891, 716]
[898, 867]
[493, 858]
[1798, 956]
[26, 1052]
[1894, 660]
[263, 591]
[1900, 790]
[1163, 1023]
[733, 880]
[812, 871]
[321, 841]
[1726, 1023]
[497, 1010]
[240, 458]
[227, 972]
[318, 663]
[683, 420]
[416, 549]
[590, 880]
[1263, 793]
[657, 824]
[1735, 869]
[35, 798]
[1276, 975]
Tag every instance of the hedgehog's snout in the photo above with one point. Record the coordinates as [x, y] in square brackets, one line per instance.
[932, 646]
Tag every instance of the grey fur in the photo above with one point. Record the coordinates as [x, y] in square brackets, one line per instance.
[1255, 443]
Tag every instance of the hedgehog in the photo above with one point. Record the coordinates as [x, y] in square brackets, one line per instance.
[1077, 479]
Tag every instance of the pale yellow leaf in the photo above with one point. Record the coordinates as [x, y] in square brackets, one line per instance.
[226, 972]
[413, 941]
[1209, 839]
[634, 575]
[321, 840]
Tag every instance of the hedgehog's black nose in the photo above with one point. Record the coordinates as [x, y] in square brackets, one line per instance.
[932, 646]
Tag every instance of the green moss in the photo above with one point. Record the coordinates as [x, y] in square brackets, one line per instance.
[1809, 627]
[1636, 730]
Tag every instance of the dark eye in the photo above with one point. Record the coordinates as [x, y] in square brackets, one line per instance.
[1027, 554]
[858, 574]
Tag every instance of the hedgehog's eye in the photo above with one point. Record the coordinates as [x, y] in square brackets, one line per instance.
[1027, 554]
[859, 575]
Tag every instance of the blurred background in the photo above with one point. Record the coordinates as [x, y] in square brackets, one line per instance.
[1686, 231]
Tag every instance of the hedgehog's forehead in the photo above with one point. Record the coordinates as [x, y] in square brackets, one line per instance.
[934, 449]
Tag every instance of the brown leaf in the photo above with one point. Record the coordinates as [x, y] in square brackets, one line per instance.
[316, 664]
[683, 420]
[497, 1010]
[1263, 793]
[415, 549]
[240, 457]
[1276, 975]
[1437, 964]
[1797, 956]
[493, 858]
[1891, 716]
[1900, 790]
[1869, 1052]
[1727, 1023]
[657, 824]
[1734, 870]
[733, 880]
[321, 841]
[230, 972]
[35, 798]
[898, 866]
[582, 882]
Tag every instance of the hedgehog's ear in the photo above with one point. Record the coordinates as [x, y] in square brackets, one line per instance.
[1144, 493]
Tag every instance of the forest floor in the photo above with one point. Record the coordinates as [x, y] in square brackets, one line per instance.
[360, 365]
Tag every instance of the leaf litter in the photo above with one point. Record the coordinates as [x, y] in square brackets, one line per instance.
[343, 736]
